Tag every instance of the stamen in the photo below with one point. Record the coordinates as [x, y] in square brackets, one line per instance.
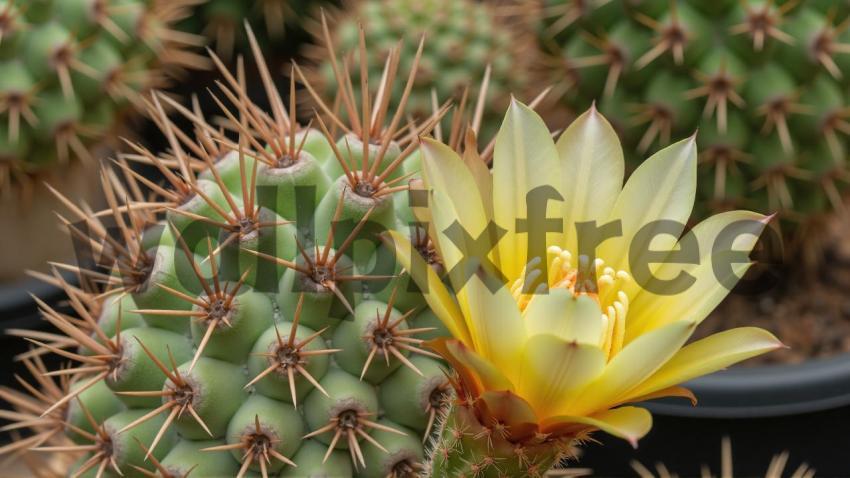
[593, 279]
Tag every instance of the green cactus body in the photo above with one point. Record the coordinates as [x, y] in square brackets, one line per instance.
[764, 83]
[463, 452]
[238, 337]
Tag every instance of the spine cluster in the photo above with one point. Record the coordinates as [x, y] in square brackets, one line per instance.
[240, 318]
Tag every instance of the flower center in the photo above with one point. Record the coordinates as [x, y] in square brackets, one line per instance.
[593, 279]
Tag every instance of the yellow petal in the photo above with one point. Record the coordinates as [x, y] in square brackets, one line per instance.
[456, 189]
[675, 391]
[492, 319]
[591, 170]
[661, 188]
[628, 423]
[554, 370]
[564, 315]
[435, 293]
[462, 357]
[709, 355]
[420, 210]
[443, 218]
[481, 172]
[465, 375]
[495, 324]
[524, 159]
[652, 309]
[629, 368]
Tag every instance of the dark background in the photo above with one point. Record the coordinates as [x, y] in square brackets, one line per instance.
[822, 440]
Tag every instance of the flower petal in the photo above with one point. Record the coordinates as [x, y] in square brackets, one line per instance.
[524, 159]
[628, 423]
[554, 370]
[480, 171]
[456, 190]
[661, 188]
[467, 376]
[709, 355]
[564, 315]
[477, 368]
[592, 167]
[435, 293]
[649, 310]
[510, 410]
[495, 324]
[675, 391]
[631, 367]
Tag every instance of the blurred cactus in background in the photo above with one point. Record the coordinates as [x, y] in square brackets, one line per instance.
[465, 42]
[775, 469]
[71, 69]
[765, 84]
[223, 22]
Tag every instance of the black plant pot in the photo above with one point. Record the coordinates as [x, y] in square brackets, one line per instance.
[767, 391]
[802, 409]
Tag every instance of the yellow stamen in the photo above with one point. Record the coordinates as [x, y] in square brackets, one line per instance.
[605, 285]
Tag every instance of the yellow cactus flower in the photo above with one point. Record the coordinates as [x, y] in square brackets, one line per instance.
[568, 300]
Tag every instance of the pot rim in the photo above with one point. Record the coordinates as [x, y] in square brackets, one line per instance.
[765, 391]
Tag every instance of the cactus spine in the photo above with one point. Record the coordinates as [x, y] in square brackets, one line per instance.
[235, 322]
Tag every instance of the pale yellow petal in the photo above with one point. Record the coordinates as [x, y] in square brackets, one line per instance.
[710, 355]
[448, 175]
[436, 295]
[554, 370]
[564, 315]
[592, 167]
[452, 248]
[482, 174]
[484, 179]
[495, 324]
[487, 315]
[669, 392]
[485, 372]
[654, 307]
[662, 188]
[524, 159]
[629, 368]
[628, 423]
[419, 208]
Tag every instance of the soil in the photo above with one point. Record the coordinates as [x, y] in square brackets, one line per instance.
[808, 309]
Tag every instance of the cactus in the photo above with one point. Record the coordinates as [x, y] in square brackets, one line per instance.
[465, 41]
[235, 324]
[764, 83]
[222, 22]
[69, 70]
[775, 469]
